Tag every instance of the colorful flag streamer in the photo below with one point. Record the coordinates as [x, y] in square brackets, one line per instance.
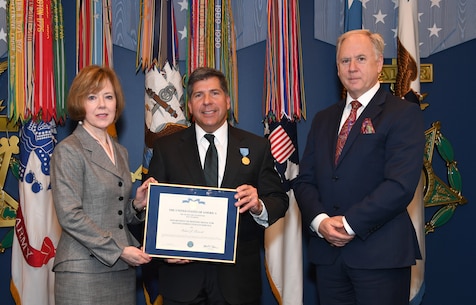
[284, 80]
[93, 33]
[283, 106]
[157, 56]
[36, 61]
[212, 43]
[94, 37]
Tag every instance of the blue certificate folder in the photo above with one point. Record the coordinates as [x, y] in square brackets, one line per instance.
[190, 222]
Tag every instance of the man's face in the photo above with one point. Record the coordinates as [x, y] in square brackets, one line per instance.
[357, 65]
[209, 104]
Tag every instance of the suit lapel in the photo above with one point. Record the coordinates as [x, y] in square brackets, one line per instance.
[334, 124]
[99, 156]
[233, 156]
[193, 164]
[121, 161]
[371, 111]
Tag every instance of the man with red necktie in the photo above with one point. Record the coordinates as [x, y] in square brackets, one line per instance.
[354, 185]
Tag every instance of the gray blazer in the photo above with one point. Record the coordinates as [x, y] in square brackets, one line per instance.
[91, 197]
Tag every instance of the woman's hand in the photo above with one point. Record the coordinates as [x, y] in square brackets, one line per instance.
[140, 200]
[134, 256]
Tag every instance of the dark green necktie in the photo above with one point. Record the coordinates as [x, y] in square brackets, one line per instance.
[210, 168]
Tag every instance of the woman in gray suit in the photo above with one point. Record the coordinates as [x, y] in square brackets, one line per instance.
[91, 184]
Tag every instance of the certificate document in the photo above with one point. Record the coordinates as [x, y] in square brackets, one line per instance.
[191, 222]
[195, 223]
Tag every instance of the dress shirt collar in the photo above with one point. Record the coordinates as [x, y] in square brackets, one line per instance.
[221, 134]
[221, 143]
[365, 98]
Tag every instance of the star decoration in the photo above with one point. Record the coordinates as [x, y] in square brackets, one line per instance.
[3, 35]
[380, 17]
[364, 3]
[395, 32]
[396, 3]
[183, 5]
[419, 17]
[434, 30]
[183, 33]
[435, 3]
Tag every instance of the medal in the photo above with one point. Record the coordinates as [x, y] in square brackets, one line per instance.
[244, 151]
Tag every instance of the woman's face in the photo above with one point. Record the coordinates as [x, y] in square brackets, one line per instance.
[100, 107]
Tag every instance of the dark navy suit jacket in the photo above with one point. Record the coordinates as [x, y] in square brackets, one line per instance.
[176, 160]
[371, 185]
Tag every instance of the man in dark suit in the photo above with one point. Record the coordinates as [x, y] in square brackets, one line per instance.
[354, 196]
[245, 164]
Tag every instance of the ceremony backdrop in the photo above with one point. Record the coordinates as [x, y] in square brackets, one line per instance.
[450, 263]
[443, 23]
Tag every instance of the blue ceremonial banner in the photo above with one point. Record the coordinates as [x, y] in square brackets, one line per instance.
[442, 24]
[353, 15]
[189, 222]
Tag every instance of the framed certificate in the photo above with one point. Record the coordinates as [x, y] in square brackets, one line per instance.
[190, 222]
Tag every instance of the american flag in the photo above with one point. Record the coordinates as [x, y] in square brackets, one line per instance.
[282, 146]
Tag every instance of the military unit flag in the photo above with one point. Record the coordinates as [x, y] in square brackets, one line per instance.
[37, 230]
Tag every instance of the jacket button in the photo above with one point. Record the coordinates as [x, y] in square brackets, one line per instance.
[336, 207]
[119, 212]
[120, 183]
[121, 198]
[335, 178]
[121, 227]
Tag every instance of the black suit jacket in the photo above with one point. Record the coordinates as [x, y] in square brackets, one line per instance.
[371, 185]
[176, 160]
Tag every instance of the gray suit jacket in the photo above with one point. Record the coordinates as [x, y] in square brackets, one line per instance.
[91, 197]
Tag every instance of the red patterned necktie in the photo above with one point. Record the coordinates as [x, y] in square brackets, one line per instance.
[344, 132]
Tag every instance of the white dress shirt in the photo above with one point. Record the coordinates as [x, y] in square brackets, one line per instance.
[221, 143]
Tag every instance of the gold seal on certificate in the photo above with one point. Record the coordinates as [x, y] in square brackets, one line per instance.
[245, 160]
